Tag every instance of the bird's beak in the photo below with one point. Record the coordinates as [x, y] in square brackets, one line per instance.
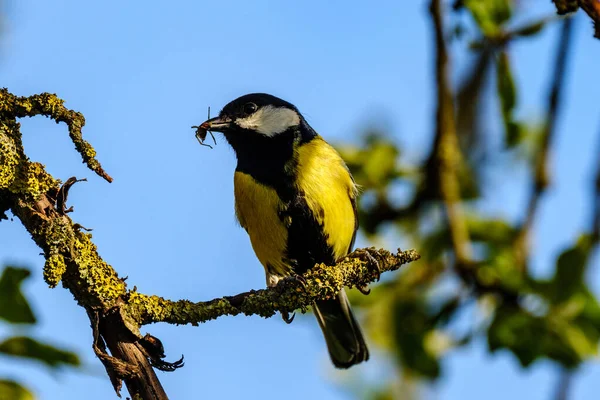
[217, 124]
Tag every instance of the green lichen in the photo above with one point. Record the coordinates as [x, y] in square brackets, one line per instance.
[32, 180]
[51, 106]
[93, 281]
[97, 276]
[321, 282]
[54, 268]
[9, 157]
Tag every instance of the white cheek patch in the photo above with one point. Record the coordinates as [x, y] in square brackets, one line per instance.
[270, 120]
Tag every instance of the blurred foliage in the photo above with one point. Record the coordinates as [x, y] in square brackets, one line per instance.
[419, 317]
[16, 311]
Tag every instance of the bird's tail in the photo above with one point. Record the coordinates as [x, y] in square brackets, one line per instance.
[344, 339]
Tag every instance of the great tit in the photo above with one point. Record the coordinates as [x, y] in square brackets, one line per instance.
[296, 199]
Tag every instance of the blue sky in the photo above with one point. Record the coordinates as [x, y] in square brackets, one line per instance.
[143, 73]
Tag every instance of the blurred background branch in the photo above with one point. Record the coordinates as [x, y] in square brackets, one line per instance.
[474, 261]
[541, 178]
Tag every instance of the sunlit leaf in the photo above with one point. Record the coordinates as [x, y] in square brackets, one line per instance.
[489, 14]
[26, 347]
[531, 29]
[14, 307]
[11, 390]
[506, 84]
[581, 343]
[490, 230]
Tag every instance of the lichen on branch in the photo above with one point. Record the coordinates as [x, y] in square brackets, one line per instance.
[51, 106]
[319, 283]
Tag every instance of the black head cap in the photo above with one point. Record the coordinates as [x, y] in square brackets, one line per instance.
[243, 105]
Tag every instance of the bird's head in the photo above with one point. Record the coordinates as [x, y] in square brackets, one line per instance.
[256, 116]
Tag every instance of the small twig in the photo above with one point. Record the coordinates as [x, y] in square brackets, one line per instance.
[542, 174]
[591, 7]
[51, 106]
[563, 385]
[63, 193]
[116, 369]
[596, 201]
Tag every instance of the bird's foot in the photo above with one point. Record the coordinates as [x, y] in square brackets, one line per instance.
[286, 317]
[370, 257]
[364, 290]
[299, 279]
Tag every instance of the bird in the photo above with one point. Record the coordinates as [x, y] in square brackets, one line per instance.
[296, 199]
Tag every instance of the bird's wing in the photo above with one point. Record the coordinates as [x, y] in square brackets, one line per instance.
[353, 197]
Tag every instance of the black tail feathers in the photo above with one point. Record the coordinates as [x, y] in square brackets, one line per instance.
[344, 339]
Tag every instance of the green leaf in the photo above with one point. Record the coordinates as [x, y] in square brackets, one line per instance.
[570, 270]
[491, 230]
[14, 307]
[21, 346]
[531, 29]
[507, 93]
[519, 332]
[411, 324]
[556, 336]
[489, 14]
[380, 163]
[506, 84]
[11, 390]
[577, 339]
[435, 244]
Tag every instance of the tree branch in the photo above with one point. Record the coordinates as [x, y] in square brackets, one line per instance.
[596, 202]
[320, 283]
[542, 161]
[591, 7]
[116, 314]
[447, 147]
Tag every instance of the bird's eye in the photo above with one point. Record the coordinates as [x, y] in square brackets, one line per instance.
[249, 108]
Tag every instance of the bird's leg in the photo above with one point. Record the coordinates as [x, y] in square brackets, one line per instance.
[372, 263]
[272, 281]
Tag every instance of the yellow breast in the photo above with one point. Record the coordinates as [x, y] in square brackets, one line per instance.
[257, 208]
[329, 188]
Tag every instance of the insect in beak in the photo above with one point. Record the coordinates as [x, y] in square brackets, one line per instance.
[202, 130]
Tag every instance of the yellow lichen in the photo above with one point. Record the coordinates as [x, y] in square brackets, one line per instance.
[54, 268]
[9, 158]
[101, 279]
[33, 180]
